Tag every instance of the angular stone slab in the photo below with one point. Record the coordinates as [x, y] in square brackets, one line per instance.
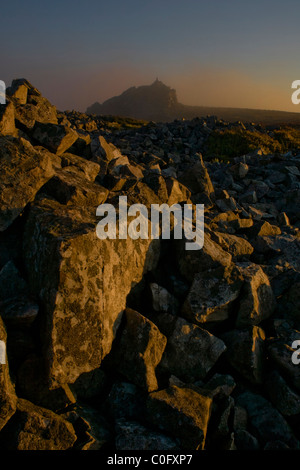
[211, 296]
[68, 186]
[191, 351]
[245, 352]
[7, 119]
[183, 413]
[84, 288]
[23, 172]
[257, 301]
[36, 428]
[140, 350]
[54, 137]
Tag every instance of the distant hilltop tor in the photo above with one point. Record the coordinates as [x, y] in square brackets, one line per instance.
[150, 102]
[158, 102]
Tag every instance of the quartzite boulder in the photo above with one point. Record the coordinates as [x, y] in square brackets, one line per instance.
[70, 187]
[181, 412]
[257, 301]
[33, 385]
[177, 192]
[30, 105]
[140, 350]
[245, 352]
[101, 148]
[88, 168]
[35, 428]
[7, 119]
[92, 428]
[84, 288]
[209, 257]
[54, 137]
[212, 295]
[19, 90]
[23, 172]
[237, 246]
[197, 179]
[191, 351]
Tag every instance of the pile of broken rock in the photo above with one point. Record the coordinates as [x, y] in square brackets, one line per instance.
[140, 344]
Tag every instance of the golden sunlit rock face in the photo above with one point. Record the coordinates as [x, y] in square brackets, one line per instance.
[125, 340]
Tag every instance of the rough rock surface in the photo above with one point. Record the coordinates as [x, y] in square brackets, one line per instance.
[257, 299]
[191, 351]
[35, 428]
[140, 350]
[182, 412]
[7, 119]
[212, 295]
[245, 352]
[56, 138]
[23, 172]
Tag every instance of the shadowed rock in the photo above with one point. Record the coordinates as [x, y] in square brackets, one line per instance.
[209, 257]
[257, 301]
[183, 413]
[191, 351]
[140, 350]
[68, 186]
[267, 422]
[23, 172]
[35, 428]
[211, 296]
[88, 168]
[134, 436]
[56, 138]
[245, 352]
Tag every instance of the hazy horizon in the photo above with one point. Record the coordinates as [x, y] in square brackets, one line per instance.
[220, 54]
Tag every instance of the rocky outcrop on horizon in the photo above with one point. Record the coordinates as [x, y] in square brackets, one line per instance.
[123, 344]
[158, 102]
[154, 102]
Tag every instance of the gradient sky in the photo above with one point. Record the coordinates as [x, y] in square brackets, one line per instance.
[215, 52]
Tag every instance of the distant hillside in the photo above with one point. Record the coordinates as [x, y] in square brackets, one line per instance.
[155, 102]
[158, 102]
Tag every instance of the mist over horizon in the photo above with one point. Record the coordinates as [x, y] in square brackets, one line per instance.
[205, 87]
[239, 55]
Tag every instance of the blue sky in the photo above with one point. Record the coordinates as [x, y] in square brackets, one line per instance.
[221, 53]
